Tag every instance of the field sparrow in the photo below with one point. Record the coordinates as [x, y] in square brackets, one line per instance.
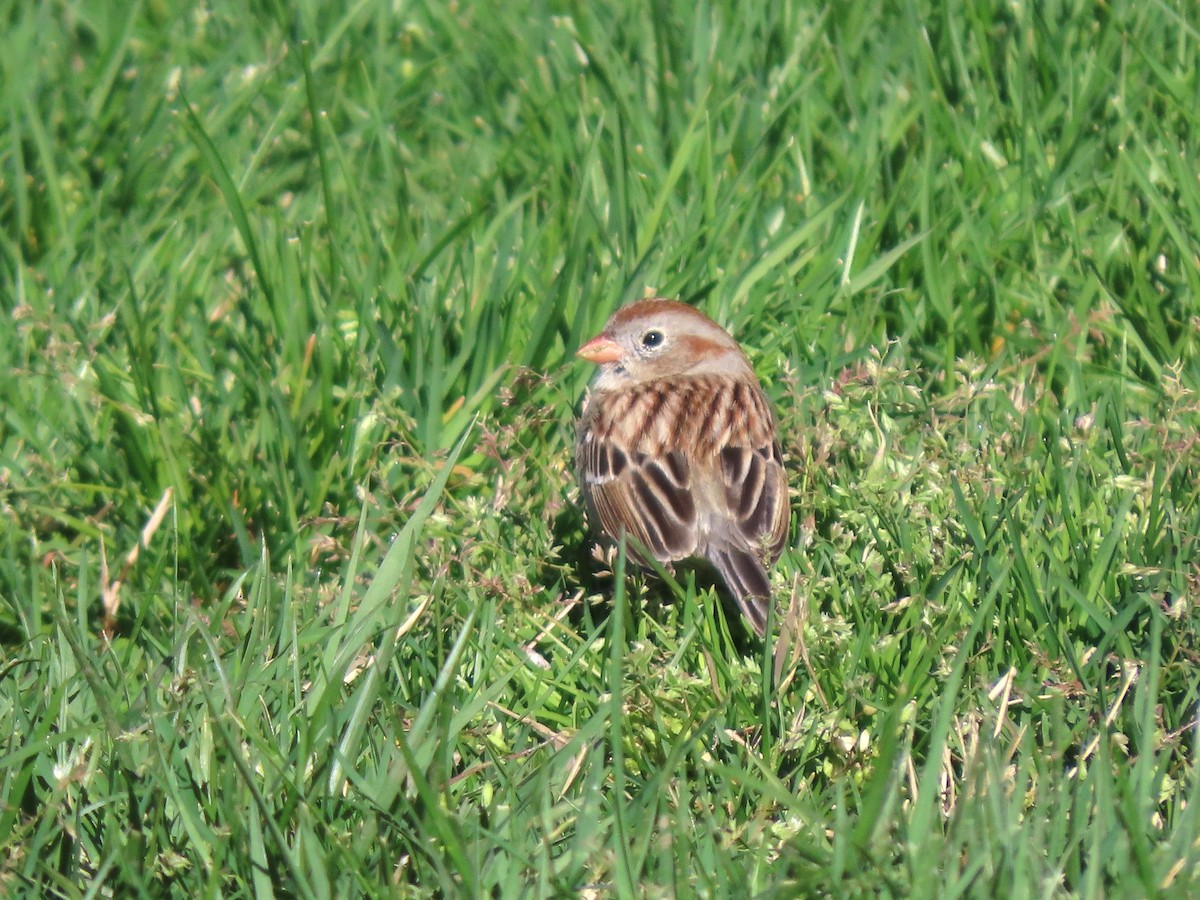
[677, 448]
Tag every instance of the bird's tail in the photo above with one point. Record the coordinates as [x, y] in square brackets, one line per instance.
[746, 578]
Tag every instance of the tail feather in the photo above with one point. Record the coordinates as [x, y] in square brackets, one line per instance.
[746, 578]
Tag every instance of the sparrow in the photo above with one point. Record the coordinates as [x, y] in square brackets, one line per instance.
[677, 447]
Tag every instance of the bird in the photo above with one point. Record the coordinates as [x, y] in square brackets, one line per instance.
[677, 447]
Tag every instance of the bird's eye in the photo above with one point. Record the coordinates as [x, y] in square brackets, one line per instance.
[652, 339]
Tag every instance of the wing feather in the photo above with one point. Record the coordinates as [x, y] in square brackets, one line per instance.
[649, 497]
[755, 487]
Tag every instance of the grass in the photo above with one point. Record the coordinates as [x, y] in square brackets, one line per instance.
[295, 593]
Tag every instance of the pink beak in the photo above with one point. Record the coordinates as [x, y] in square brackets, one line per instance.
[600, 350]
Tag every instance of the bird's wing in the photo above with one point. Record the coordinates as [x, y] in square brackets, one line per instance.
[650, 497]
[756, 526]
[755, 485]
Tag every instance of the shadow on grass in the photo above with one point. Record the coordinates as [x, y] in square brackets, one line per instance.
[651, 595]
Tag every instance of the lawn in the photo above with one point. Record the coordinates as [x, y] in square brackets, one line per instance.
[296, 596]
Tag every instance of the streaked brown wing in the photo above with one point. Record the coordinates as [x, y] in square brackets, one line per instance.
[755, 485]
[650, 497]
